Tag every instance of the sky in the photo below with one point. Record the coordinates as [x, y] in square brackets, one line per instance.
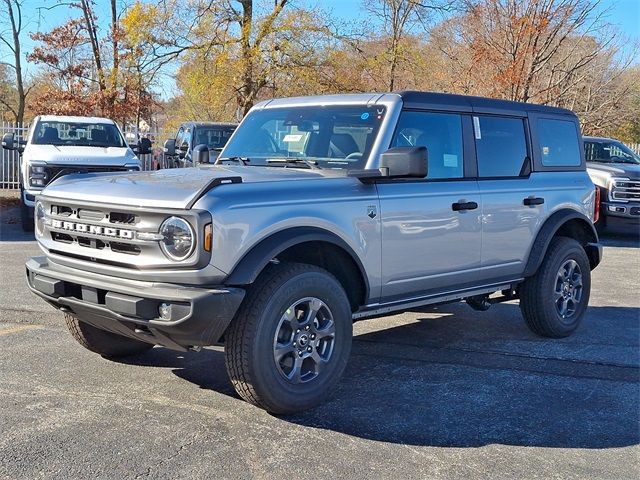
[623, 14]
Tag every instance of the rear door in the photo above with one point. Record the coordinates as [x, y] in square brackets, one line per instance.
[512, 198]
[431, 230]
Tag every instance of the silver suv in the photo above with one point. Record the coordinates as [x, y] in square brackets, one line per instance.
[318, 212]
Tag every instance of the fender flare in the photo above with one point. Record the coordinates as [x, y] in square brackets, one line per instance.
[249, 267]
[549, 229]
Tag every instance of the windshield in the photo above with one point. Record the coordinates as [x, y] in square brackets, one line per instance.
[78, 134]
[336, 136]
[609, 152]
[212, 137]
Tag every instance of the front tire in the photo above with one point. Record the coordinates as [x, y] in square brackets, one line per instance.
[104, 343]
[555, 299]
[290, 341]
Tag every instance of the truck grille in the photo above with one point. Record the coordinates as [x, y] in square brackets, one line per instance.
[626, 191]
[55, 171]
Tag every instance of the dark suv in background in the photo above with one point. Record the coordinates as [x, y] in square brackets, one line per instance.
[615, 169]
[192, 134]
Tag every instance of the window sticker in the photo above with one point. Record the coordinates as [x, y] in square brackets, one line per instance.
[545, 150]
[364, 116]
[476, 128]
[292, 138]
[450, 160]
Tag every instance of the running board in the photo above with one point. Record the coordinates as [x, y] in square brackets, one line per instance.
[377, 310]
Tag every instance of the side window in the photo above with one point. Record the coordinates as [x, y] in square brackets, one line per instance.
[187, 136]
[441, 133]
[501, 147]
[559, 143]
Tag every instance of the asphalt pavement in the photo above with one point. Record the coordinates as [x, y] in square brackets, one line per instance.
[445, 393]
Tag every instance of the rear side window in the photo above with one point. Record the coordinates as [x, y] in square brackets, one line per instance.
[559, 143]
[501, 147]
[441, 133]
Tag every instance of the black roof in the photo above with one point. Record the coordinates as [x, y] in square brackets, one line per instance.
[467, 103]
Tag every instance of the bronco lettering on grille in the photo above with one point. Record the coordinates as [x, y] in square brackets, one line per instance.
[93, 229]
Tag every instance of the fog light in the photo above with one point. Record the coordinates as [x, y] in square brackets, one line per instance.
[165, 311]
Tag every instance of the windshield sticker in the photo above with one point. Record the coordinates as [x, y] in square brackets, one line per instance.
[545, 150]
[450, 160]
[292, 138]
[364, 116]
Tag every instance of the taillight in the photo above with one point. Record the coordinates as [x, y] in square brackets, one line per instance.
[596, 206]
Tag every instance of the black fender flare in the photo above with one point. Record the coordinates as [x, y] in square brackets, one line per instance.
[549, 229]
[249, 267]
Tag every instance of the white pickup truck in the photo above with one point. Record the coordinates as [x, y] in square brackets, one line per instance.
[58, 145]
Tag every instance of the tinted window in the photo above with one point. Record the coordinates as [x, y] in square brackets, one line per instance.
[559, 143]
[212, 137]
[501, 147]
[609, 151]
[441, 133]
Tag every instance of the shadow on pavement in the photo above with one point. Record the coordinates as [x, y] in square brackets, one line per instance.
[628, 240]
[452, 381]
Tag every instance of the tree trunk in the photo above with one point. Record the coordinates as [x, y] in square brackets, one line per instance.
[15, 30]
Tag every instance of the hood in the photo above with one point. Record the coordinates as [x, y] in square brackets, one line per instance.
[627, 170]
[76, 155]
[171, 188]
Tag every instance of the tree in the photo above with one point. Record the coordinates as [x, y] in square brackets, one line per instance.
[14, 16]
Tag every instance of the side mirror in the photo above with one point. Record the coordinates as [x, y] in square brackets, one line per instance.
[183, 149]
[8, 142]
[200, 154]
[404, 162]
[170, 147]
[144, 146]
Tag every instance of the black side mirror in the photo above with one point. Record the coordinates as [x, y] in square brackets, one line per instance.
[183, 149]
[144, 146]
[404, 162]
[200, 154]
[8, 142]
[170, 147]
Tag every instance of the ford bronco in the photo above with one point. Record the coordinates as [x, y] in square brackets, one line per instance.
[320, 211]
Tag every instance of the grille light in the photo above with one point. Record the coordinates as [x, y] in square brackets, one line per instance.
[40, 218]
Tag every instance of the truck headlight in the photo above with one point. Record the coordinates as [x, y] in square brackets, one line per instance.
[40, 218]
[178, 240]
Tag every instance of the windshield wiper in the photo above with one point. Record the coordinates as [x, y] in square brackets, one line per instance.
[240, 160]
[295, 160]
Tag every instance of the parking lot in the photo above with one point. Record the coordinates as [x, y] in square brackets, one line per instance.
[446, 393]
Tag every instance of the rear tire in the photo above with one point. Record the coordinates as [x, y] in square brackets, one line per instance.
[104, 343]
[555, 299]
[290, 341]
[26, 217]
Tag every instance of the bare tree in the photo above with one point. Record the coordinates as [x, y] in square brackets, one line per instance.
[14, 14]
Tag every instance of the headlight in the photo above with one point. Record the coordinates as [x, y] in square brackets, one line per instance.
[40, 218]
[178, 241]
[37, 175]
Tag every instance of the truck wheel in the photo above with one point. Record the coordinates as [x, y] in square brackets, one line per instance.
[105, 343]
[26, 216]
[290, 341]
[554, 300]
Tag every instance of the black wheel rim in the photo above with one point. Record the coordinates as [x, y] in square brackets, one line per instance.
[568, 289]
[304, 340]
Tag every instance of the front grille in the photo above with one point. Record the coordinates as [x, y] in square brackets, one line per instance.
[626, 191]
[56, 171]
[112, 234]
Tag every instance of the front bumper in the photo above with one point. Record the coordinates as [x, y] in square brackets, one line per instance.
[198, 316]
[620, 217]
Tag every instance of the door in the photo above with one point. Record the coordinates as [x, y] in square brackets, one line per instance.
[512, 197]
[431, 231]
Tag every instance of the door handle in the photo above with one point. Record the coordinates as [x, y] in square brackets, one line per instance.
[459, 206]
[531, 201]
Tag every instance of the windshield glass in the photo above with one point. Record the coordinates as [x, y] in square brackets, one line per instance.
[336, 136]
[78, 134]
[212, 137]
[609, 152]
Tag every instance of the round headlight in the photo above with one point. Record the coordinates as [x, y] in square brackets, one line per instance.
[39, 218]
[178, 240]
